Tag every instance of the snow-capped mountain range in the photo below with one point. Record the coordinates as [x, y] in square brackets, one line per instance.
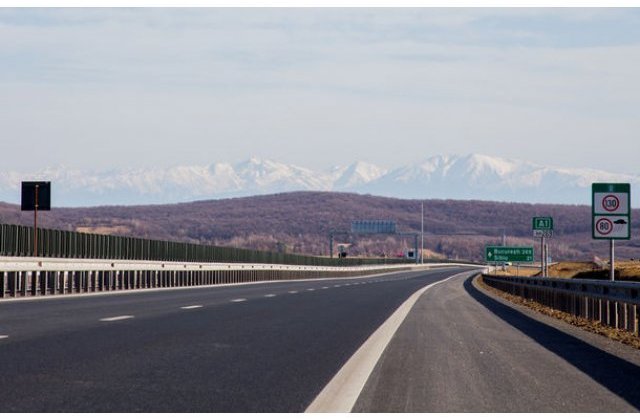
[456, 177]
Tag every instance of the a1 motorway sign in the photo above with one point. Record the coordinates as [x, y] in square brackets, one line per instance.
[542, 227]
[611, 211]
[543, 223]
[508, 254]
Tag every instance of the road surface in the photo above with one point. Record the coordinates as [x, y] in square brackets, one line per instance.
[267, 347]
[460, 350]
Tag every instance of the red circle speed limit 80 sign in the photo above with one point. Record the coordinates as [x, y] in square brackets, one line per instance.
[604, 226]
[610, 203]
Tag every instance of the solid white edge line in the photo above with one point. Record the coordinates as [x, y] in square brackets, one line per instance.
[342, 392]
[116, 318]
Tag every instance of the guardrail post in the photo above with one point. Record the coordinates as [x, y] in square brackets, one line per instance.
[13, 283]
[35, 282]
[22, 283]
[42, 282]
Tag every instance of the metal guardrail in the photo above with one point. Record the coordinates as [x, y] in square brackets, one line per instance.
[611, 303]
[22, 277]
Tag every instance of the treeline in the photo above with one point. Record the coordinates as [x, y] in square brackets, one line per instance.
[300, 222]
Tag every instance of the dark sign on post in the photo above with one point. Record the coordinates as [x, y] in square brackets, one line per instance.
[36, 195]
[36, 192]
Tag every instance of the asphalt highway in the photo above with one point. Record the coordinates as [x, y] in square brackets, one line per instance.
[267, 347]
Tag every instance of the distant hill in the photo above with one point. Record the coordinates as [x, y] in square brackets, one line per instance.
[471, 177]
[301, 221]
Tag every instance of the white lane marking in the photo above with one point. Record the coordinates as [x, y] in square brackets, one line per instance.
[2, 337]
[270, 295]
[238, 300]
[341, 393]
[293, 292]
[191, 307]
[325, 287]
[337, 285]
[116, 318]
[311, 290]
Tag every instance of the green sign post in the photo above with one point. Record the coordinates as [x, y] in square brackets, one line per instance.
[611, 215]
[543, 228]
[508, 254]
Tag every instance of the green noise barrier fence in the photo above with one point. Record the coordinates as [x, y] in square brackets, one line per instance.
[17, 241]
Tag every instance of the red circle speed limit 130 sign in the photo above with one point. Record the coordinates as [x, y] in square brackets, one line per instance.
[611, 211]
[604, 226]
[610, 203]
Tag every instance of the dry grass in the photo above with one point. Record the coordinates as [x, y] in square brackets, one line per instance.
[105, 230]
[514, 271]
[596, 327]
[625, 270]
[567, 270]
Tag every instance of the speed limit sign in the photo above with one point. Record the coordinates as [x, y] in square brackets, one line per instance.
[611, 211]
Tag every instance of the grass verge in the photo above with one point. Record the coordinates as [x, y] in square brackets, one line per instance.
[596, 327]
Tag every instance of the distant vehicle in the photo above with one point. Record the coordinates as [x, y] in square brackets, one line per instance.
[620, 222]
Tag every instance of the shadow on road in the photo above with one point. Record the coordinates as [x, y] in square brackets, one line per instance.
[616, 374]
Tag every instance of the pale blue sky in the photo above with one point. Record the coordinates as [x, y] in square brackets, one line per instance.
[113, 88]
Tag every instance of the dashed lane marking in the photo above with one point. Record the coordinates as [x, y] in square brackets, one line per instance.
[238, 300]
[270, 295]
[191, 307]
[311, 290]
[293, 292]
[2, 337]
[117, 318]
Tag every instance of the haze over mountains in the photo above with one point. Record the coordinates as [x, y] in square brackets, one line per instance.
[443, 177]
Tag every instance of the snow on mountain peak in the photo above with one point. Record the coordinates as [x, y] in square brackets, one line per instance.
[474, 176]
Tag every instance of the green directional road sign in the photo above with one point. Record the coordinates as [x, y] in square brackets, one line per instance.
[508, 254]
[543, 223]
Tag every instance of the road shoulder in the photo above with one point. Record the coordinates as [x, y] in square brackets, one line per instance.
[462, 350]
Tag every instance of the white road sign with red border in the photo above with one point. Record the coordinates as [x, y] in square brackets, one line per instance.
[611, 210]
[611, 203]
[611, 227]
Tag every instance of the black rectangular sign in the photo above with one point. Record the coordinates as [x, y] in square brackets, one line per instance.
[29, 195]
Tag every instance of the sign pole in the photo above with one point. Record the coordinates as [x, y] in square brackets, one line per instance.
[331, 245]
[35, 224]
[542, 257]
[612, 263]
[422, 233]
[546, 259]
